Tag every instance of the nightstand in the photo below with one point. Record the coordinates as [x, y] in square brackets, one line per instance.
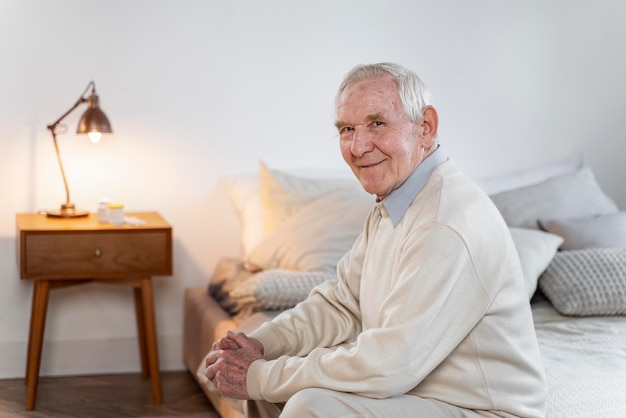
[57, 253]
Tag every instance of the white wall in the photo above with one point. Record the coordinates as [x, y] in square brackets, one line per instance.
[198, 90]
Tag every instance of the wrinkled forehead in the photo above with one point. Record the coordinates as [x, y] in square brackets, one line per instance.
[369, 95]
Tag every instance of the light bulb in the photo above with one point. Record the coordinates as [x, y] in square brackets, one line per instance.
[94, 136]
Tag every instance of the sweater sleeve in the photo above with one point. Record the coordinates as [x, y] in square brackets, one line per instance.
[431, 306]
[328, 317]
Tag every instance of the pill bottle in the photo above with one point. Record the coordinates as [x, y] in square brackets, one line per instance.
[103, 210]
[116, 213]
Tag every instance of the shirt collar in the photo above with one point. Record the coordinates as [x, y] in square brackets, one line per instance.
[398, 201]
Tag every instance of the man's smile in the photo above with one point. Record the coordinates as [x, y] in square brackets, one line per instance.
[371, 165]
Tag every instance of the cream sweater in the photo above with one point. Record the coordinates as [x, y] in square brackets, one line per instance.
[434, 307]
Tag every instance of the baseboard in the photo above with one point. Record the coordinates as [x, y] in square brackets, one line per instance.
[86, 357]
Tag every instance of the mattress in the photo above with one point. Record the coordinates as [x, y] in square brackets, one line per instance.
[585, 363]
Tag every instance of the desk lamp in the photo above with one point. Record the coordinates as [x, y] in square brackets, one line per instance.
[93, 123]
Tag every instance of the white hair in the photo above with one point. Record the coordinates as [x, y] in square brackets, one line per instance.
[413, 93]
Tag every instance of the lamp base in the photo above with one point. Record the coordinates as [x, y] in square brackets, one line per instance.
[68, 210]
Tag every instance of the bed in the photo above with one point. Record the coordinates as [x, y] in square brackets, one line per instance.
[570, 237]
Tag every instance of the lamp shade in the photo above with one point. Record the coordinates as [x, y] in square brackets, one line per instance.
[94, 119]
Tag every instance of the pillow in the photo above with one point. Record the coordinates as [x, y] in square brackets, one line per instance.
[575, 195]
[534, 175]
[244, 193]
[597, 232]
[241, 293]
[278, 289]
[536, 249]
[587, 282]
[317, 236]
[283, 194]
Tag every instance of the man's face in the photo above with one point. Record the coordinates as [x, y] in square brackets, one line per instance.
[378, 141]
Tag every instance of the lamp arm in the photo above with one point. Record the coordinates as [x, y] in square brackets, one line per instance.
[81, 100]
[56, 148]
[52, 128]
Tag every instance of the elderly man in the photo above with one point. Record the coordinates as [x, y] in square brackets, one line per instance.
[428, 316]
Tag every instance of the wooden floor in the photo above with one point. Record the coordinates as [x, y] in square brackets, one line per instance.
[110, 396]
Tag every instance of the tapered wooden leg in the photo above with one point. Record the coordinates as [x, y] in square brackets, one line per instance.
[33, 313]
[35, 340]
[141, 332]
[151, 338]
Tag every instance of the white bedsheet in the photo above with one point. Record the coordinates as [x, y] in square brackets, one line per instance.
[585, 363]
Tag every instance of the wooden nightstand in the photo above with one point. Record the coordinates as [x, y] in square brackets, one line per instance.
[56, 253]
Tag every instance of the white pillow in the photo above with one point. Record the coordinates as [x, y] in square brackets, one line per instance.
[596, 232]
[536, 249]
[534, 175]
[317, 236]
[575, 195]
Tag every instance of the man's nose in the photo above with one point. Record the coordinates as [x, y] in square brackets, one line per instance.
[361, 141]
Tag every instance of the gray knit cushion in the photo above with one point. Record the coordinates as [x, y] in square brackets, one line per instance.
[587, 282]
[242, 293]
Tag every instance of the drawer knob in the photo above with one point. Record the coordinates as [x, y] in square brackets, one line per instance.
[97, 253]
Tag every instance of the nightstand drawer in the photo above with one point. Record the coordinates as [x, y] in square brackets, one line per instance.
[105, 254]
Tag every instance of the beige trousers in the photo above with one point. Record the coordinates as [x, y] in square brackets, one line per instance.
[324, 403]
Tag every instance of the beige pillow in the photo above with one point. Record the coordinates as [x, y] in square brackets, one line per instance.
[575, 195]
[283, 194]
[317, 236]
[596, 232]
[243, 191]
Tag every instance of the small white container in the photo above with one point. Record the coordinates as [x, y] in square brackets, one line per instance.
[116, 213]
[103, 210]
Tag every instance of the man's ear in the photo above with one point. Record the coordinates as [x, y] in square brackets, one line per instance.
[430, 123]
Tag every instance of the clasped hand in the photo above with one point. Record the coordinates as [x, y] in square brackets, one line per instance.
[228, 362]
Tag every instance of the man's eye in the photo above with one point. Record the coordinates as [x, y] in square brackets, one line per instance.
[346, 133]
[377, 123]
[346, 130]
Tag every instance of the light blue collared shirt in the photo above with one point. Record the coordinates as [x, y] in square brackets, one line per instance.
[398, 201]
